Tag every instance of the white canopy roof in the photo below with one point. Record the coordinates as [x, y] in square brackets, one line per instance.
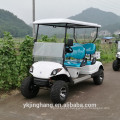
[70, 23]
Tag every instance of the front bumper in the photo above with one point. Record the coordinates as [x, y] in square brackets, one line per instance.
[41, 82]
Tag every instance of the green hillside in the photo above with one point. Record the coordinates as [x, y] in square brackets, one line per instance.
[108, 20]
[9, 22]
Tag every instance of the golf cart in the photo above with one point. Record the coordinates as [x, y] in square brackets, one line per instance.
[116, 63]
[57, 65]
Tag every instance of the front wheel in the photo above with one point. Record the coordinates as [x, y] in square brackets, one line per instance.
[98, 80]
[59, 92]
[115, 65]
[28, 89]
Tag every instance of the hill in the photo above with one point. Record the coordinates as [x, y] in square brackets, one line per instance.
[9, 22]
[108, 20]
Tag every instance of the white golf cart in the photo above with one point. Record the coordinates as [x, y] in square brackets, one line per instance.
[116, 63]
[56, 65]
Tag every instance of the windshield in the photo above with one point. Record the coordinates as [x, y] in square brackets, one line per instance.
[119, 50]
[48, 52]
[118, 46]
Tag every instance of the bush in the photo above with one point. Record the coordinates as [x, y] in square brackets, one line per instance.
[108, 52]
[8, 69]
[45, 38]
[26, 55]
[14, 67]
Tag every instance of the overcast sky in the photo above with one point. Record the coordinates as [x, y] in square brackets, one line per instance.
[56, 8]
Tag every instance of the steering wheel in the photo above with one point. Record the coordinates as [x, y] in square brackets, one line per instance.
[68, 49]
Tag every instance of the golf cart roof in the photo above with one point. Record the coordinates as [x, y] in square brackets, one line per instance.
[63, 22]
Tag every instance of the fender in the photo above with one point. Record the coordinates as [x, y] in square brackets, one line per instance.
[118, 55]
[90, 69]
[97, 73]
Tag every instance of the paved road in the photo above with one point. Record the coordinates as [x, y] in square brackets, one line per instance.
[106, 97]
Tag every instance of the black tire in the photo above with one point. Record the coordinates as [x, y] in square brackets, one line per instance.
[28, 89]
[59, 92]
[115, 65]
[98, 80]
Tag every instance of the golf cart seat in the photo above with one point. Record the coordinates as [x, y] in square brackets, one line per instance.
[78, 53]
[90, 48]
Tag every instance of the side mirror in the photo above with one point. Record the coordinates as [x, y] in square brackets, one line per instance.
[70, 42]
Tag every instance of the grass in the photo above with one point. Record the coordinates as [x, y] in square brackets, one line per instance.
[108, 52]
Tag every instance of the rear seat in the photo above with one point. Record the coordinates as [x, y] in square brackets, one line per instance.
[90, 48]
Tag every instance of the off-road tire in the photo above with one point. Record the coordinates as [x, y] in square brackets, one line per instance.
[115, 65]
[56, 94]
[28, 89]
[98, 80]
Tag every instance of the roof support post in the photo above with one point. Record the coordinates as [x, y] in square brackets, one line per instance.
[65, 39]
[36, 34]
[96, 35]
[74, 36]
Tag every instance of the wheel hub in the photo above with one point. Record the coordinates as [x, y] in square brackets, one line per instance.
[63, 93]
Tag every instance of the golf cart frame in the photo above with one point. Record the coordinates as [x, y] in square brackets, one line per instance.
[67, 24]
[58, 76]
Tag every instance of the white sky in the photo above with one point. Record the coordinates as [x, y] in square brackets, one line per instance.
[56, 8]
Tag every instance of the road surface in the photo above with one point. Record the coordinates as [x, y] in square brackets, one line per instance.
[106, 97]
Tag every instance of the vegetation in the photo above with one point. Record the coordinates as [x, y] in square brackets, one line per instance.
[108, 51]
[45, 38]
[108, 20]
[12, 24]
[14, 63]
[16, 58]
[18, 28]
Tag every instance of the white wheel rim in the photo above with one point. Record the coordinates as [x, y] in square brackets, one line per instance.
[63, 93]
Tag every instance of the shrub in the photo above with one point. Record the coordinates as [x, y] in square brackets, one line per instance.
[8, 69]
[25, 57]
[14, 65]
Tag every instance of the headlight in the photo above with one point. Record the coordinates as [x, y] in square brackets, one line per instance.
[54, 72]
[31, 69]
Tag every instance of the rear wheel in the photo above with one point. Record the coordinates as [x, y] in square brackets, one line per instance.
[28, 89]
[115, 65]
[98, 80]
[59, 92]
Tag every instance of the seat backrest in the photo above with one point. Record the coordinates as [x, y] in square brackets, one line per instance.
[90, 48]
[78, 52]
